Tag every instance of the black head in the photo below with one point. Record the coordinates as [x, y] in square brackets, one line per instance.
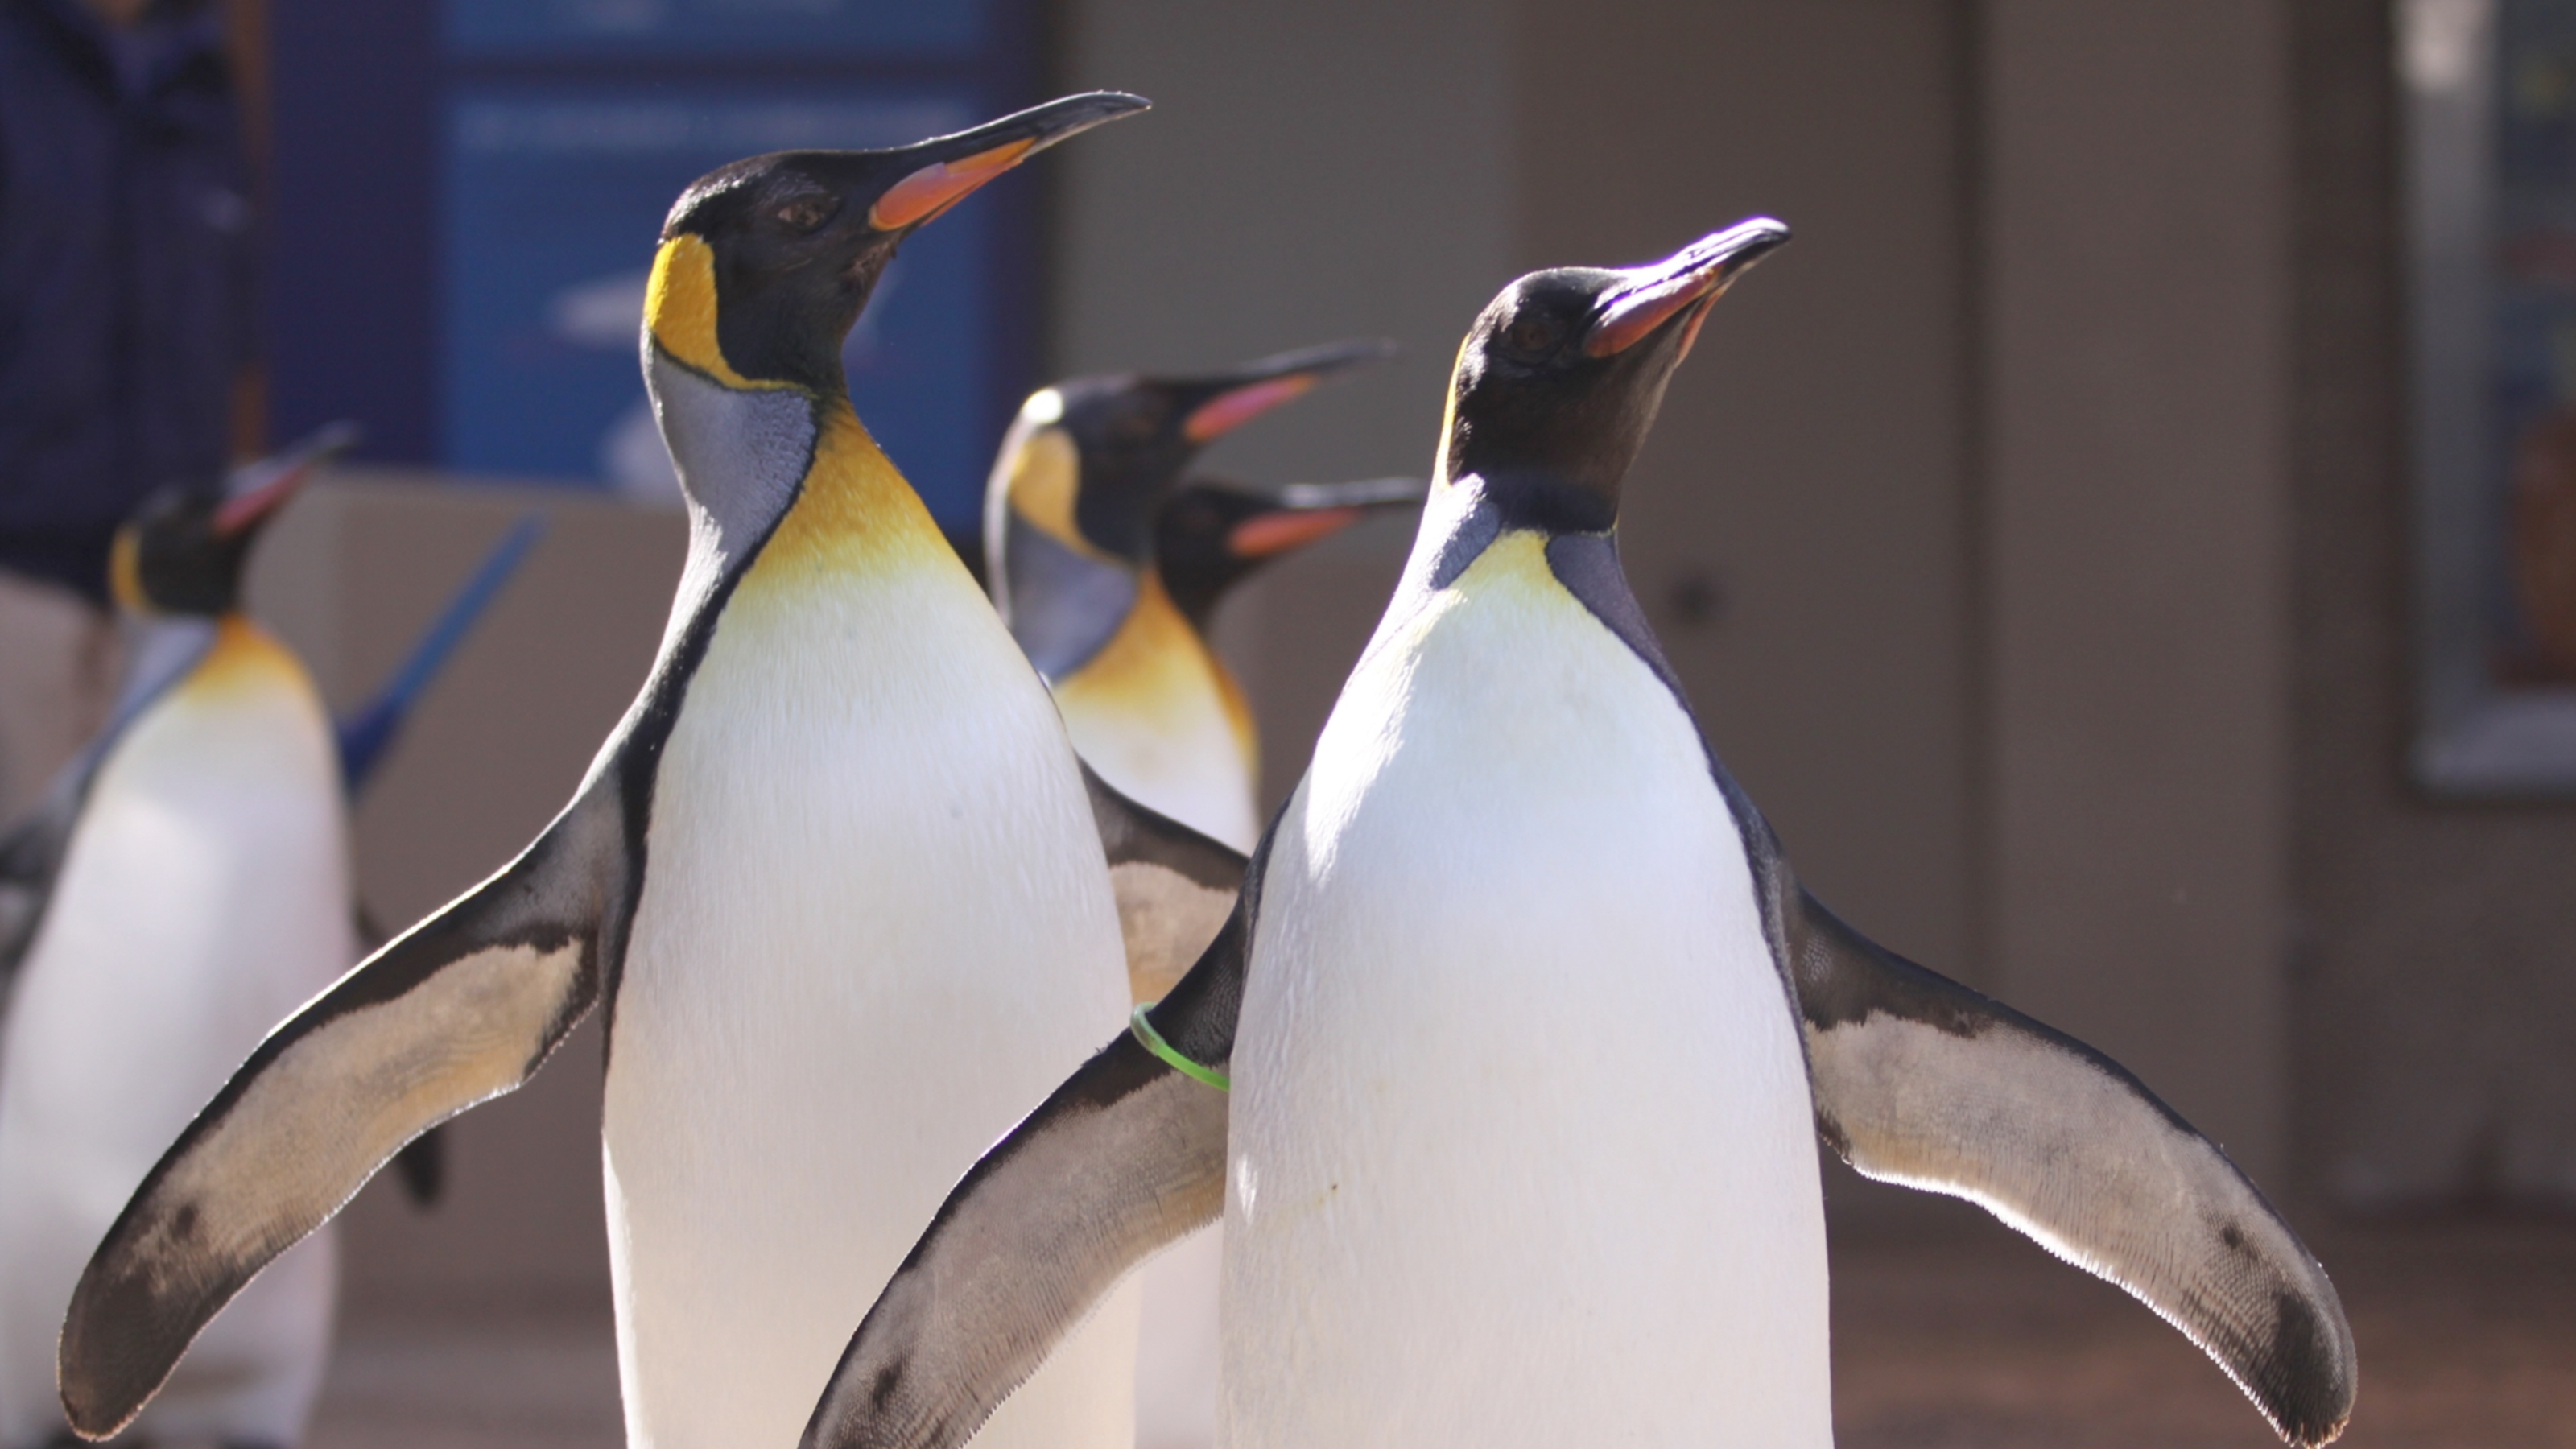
[796, 240]
[182, 552]
[1211, 535]
[1560, 378]
[1133, 435]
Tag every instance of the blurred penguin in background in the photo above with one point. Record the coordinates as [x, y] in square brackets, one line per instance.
[1108, 568]
[196, 890]
[34, 846]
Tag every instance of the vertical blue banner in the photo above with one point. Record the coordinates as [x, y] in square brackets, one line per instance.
[795, 29]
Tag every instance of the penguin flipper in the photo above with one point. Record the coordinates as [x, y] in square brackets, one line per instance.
[1921, 1081]
[1174, 887]
[462, 1008]
[421, 1166]
[1125, 1157]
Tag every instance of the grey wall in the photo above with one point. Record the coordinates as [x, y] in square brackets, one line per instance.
[2435, 983]
[1796, 524]
[2136, 312]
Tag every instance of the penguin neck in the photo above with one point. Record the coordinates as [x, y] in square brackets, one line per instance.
[240, 656]
[1161, 718]
[1540, 499]
[854, 508]
[1062, 606]
[1195, 591]
[1153, 641]
[779, 479]
[1467, 512]
[1043, 574]
[160, 650]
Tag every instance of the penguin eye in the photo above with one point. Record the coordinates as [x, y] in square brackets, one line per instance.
[806, 213]
[1137, 425]
[1530, 336]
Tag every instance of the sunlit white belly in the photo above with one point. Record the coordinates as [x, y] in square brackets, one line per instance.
[1522, 1151]
[875, 930]
[205, 897]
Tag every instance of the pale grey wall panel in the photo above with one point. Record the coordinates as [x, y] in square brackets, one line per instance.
[1796, 525]
[2136, 280]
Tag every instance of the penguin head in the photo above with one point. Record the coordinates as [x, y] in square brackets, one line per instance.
[1560, 377]
[1211, 534]
[1093, 459]
[765, 264]
[182, 552]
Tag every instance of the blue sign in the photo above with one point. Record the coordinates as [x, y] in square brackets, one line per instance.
[555, 195]
[801, 29]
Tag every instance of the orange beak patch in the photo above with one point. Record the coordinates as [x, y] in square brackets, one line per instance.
[1635, 316]
[1690, 329]
[235, 514]
[941, 185]
[1269, 533]
[1225, 412]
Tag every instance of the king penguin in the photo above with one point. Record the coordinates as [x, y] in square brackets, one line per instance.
[32, 849]
[1503, 1070]
[1082, 500]
[837, 880]
[197, 890]
[1107, 565]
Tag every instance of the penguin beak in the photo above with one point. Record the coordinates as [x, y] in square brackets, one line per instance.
[257, 490]
[952, 167]
[1689, 280]
[1302, 513]
[1256, 387]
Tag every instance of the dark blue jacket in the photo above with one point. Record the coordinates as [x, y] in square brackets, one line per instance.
[126, 270]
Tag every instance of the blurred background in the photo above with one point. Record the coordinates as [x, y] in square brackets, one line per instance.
[2042, 537]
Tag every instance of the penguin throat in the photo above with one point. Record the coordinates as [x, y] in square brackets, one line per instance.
[854, 510]
[743, 455]
[1543, 500]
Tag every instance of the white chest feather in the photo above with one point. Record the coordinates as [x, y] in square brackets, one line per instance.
[1184, 758]
[205, 896]
[875, 930]
[1522, 1150]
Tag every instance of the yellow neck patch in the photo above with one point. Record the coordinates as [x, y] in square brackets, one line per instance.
[855, 512]
[125, 572]
[1044, 478]
[246, 658]
[680, 311]
[1518, 559]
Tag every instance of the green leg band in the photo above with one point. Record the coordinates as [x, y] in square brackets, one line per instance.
[1153, 1042]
